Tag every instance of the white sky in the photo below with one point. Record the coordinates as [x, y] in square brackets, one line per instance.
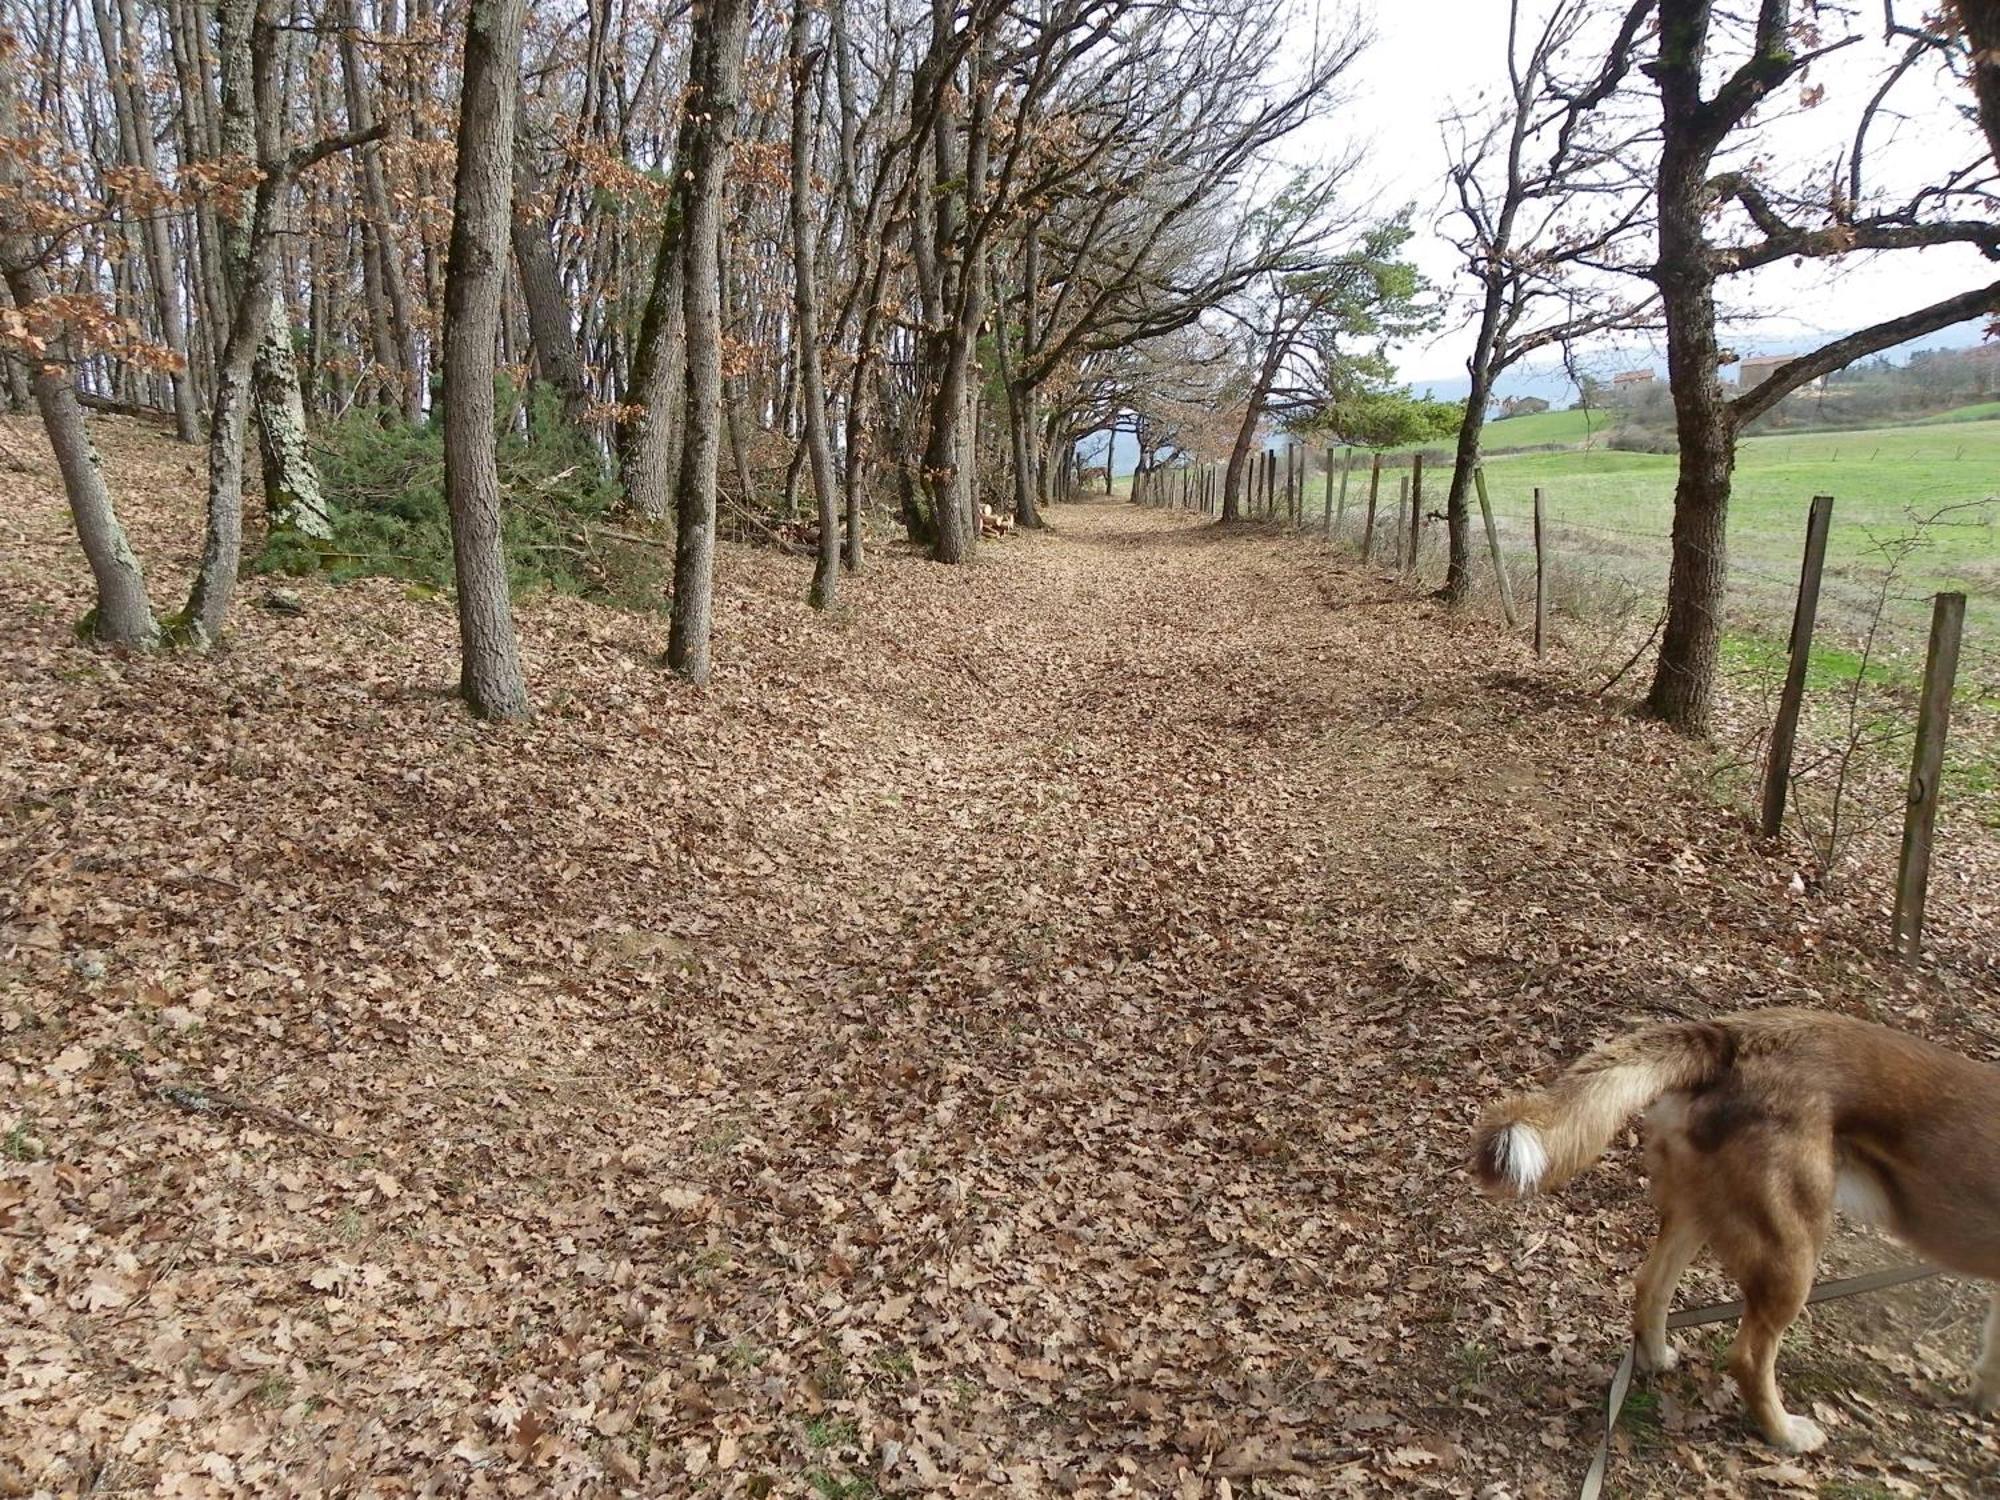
[1430, 56]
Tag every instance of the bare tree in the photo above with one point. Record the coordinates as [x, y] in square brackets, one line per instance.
[811, 377]
[1769, 226]
[701, 165]
[253, 131]
[123, 614]
[124, 68]
[1548, 193]
[490, 661]
[250, 43]
[541, 284]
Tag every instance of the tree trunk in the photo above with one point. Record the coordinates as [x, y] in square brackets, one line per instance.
[1982, 30]
[649, 432]
[123, 615]
[1457, 505]
[188, 38]
[1021, 448]
[1253, 413]
[20, 391]
[542, 290]
[738, 395]
[811, 380]
[854, 459]
[490, 665]
[701, 159]
[293, 497]
[949, 275]
[391, 327]
[251, 111]
[253, 129]
[1683, 688]
[124, 65]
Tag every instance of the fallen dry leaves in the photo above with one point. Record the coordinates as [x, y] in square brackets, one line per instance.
[1016, 1036]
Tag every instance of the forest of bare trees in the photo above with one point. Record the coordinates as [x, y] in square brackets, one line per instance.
[777, 271]
[820, 264]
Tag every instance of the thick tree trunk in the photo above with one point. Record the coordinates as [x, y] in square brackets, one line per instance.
[1982, 30]
[805, 302]
[250, 113]
[707, 142]
[948, 274]
[490, 664]
[293, 497]
[201, 622]
[1683, 688]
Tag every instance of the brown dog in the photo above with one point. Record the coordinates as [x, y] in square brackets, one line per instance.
[1758, 1127]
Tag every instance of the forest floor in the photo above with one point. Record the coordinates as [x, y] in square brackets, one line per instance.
[1016, 1035]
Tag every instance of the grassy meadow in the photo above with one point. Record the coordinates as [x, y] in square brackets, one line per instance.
[1618, 507]
[1610, 515]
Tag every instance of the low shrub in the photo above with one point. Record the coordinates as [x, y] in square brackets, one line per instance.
[1637, 439]
[561, 526]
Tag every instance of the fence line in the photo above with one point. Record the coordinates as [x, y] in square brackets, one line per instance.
[1848, 707]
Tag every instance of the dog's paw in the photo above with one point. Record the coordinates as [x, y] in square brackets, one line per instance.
[1655, 1361]
[1801, 1435]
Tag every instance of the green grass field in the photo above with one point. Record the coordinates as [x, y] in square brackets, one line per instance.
[1617, 508]
[1610, 516]
[1984, 411]
[1542, 427]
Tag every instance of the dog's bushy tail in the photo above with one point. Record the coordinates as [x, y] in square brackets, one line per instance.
[1535, 1143]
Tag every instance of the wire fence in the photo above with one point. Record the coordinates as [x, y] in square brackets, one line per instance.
[1602, 557]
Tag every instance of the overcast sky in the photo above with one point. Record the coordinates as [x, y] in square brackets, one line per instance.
[1431, 55]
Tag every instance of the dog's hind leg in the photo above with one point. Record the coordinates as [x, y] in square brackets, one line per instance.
[1679, 1241]
[1986, 1374]
[1775, 1282]
[1773, 1294]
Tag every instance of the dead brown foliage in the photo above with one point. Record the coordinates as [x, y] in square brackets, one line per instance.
[1015, 1036]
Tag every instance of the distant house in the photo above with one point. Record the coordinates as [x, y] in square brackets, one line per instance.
[1522, 406]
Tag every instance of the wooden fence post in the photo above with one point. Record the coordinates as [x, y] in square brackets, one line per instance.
[1920, 814]
[1403, 546]
[1374, 492]
[1493, 546]
[1541, 581]
[1416, 508]
[1784, 733]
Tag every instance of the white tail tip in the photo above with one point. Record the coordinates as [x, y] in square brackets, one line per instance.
[1520, 1159]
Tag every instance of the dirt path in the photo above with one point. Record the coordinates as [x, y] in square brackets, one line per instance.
[1016, 1037]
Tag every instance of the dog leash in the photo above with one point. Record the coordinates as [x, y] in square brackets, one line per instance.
[1724, 1312]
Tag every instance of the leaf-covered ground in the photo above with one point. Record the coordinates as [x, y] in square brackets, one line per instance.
[1016, 1036]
